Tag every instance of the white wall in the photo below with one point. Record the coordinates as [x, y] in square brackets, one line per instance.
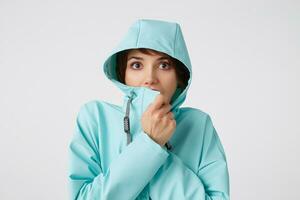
[245, 57]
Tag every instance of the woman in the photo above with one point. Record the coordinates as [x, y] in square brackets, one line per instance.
[150, 147]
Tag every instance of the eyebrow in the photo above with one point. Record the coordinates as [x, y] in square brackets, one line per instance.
[140, 58]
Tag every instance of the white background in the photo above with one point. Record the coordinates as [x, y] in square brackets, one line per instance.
[245, 57]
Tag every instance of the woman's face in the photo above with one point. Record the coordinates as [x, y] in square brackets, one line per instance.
[156, 72]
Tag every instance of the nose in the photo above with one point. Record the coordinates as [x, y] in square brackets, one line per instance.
[150, 78]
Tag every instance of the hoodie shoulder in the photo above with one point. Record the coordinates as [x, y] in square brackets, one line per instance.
[91, 106]
[194, 113]
[194, 117]
[88, 111]
[99, 104]
[95, 108]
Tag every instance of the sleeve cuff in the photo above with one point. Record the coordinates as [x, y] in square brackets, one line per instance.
[147, 140]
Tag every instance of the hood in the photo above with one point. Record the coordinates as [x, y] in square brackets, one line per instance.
[158, 35]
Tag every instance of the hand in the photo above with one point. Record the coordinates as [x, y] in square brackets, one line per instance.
[157, 121]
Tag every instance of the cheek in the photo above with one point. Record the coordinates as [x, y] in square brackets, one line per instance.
[169, 80]
[131, 78]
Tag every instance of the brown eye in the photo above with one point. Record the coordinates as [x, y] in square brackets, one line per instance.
[165, 65]
[135, 65]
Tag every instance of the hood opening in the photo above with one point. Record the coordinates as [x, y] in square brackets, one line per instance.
[158, 35]
[182, 72]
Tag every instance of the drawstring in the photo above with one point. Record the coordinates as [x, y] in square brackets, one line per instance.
[127, 125]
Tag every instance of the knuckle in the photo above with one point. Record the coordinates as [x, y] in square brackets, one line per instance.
[165, 120]
[157, 115]
[154, 120]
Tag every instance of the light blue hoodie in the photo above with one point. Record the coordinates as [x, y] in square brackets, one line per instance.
[104, 166]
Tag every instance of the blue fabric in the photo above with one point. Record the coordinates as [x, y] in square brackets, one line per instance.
[103, 166]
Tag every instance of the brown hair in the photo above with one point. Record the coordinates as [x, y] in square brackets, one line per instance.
[182, 72]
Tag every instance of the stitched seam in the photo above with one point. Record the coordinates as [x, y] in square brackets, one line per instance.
[176, 33]
[139, 32]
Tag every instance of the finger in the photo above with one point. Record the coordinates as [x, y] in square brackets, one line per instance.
[165, 109]
[171, 115]
[160, 113]
[168, 116]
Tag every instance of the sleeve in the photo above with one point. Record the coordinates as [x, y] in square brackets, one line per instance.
[127, 174]
[175, 180]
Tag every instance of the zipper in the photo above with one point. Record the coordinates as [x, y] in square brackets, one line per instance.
[126, 122]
